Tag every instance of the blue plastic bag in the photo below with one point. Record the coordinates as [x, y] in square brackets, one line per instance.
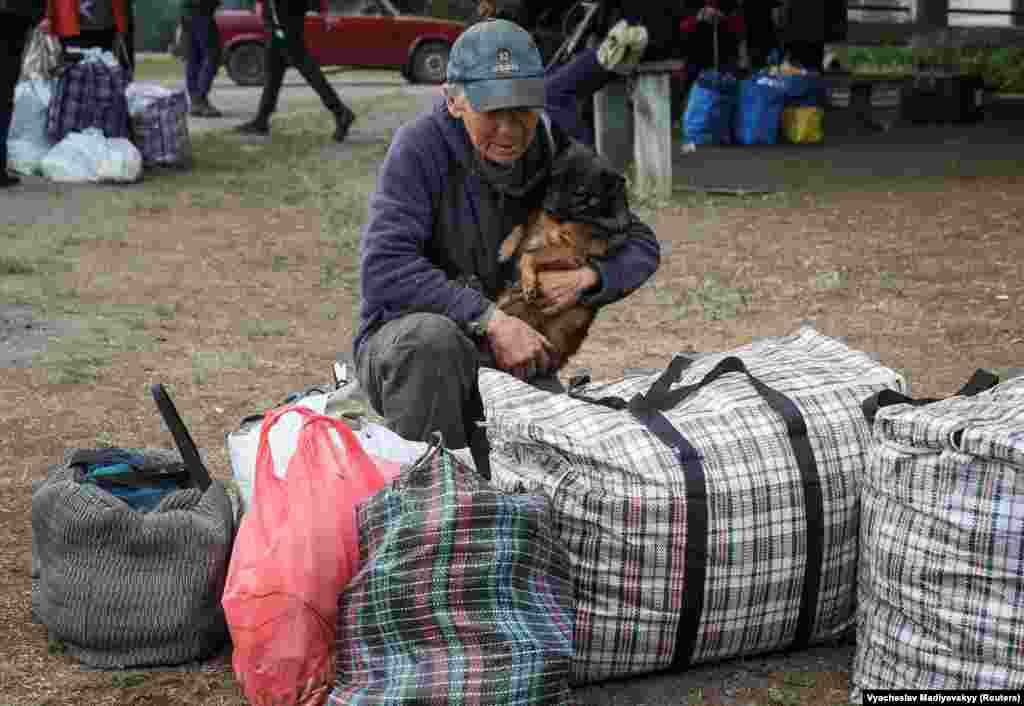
[710, 108]
[805, 90]
[759, 110]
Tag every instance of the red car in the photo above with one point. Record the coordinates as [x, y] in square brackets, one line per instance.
[346, 33]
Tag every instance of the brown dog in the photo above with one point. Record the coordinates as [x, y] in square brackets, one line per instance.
[548, 243]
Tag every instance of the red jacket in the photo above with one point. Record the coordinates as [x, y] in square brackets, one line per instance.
[65, 20]
[732, 23]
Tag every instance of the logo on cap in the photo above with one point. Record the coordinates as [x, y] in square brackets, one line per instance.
[504, 63]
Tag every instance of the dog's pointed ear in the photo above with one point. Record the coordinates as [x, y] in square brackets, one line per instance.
[511, 243]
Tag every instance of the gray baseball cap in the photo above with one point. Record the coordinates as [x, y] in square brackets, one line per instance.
[499, 65]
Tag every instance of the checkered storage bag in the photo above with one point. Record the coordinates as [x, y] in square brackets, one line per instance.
[464, 596]
[709, 512]
[160, 131]
[941, 580]
[89, 94]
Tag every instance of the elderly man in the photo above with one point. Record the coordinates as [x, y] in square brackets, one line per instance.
[455, 182]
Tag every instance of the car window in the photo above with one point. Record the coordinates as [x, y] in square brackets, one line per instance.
[360, 7]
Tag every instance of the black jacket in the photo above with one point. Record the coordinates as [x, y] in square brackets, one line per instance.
[23, 8]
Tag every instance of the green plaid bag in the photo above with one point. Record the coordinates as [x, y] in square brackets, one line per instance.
[464, 596]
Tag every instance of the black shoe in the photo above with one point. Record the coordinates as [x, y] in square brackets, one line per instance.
[8, 180]
[257, 126]
[343, 121]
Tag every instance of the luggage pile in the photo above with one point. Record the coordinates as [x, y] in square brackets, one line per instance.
[780, 103]
[90, 123]
[771, 497]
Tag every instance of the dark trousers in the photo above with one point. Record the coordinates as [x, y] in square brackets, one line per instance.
[420, 373]
[293, 49]
[13, 35]
[568, 84]
[203, 59]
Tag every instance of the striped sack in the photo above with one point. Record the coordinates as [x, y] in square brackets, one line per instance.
[705, 520]
[464, 596]
[941, 580]
[122, 588]
[160, 131]
[89, 94]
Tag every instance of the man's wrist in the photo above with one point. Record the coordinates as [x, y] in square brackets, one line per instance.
[478, 326]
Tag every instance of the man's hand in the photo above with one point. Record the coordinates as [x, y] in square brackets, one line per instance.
[517, 347]
[709, 14]
[562, 289]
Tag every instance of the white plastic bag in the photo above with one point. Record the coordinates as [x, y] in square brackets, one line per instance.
[382, 444]
[25, 157]
[27, 141]
[76, 158]
[31, 101]
[88, 156]
[123, 162]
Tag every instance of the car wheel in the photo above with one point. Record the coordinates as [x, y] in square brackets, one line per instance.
[246, 64]
[430, 63]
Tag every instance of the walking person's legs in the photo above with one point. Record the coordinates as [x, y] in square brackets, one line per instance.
[275, 67]
[307, 66]
[207, 52]
[193, 59]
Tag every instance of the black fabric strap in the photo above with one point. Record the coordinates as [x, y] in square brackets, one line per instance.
[200, 477]
[980, 381]
[647, 409]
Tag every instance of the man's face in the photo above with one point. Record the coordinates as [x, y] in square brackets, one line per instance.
[498, 135]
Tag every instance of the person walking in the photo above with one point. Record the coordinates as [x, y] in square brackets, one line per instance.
[285, 20]
[762, 33]
[18, 18]
[202, 56]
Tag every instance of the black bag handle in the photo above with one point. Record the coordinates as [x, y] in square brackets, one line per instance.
[661, 398]
[979, 381]
[182, 439]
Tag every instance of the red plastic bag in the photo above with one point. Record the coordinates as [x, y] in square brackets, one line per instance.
[296, 549]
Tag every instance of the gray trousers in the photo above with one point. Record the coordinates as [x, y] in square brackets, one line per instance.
[420, 373]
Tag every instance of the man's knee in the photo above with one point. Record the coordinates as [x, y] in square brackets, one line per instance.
[433, 338]
[419, 341]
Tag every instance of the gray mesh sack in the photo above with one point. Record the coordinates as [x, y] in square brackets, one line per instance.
[122, 588]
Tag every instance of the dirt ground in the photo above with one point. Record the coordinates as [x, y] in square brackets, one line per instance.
[928, 278]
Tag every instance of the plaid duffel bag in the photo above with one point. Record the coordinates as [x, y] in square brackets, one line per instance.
[89, 94]
[464, 595]
[710, 511]
[941, 579]
[160, 131]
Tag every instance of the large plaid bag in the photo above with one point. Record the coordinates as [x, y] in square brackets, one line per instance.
[940, 601]
[709, 512]
[89, 94]
[464, 596]
[160, 131]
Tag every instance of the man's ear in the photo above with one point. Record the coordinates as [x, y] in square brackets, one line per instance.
[456, 104]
